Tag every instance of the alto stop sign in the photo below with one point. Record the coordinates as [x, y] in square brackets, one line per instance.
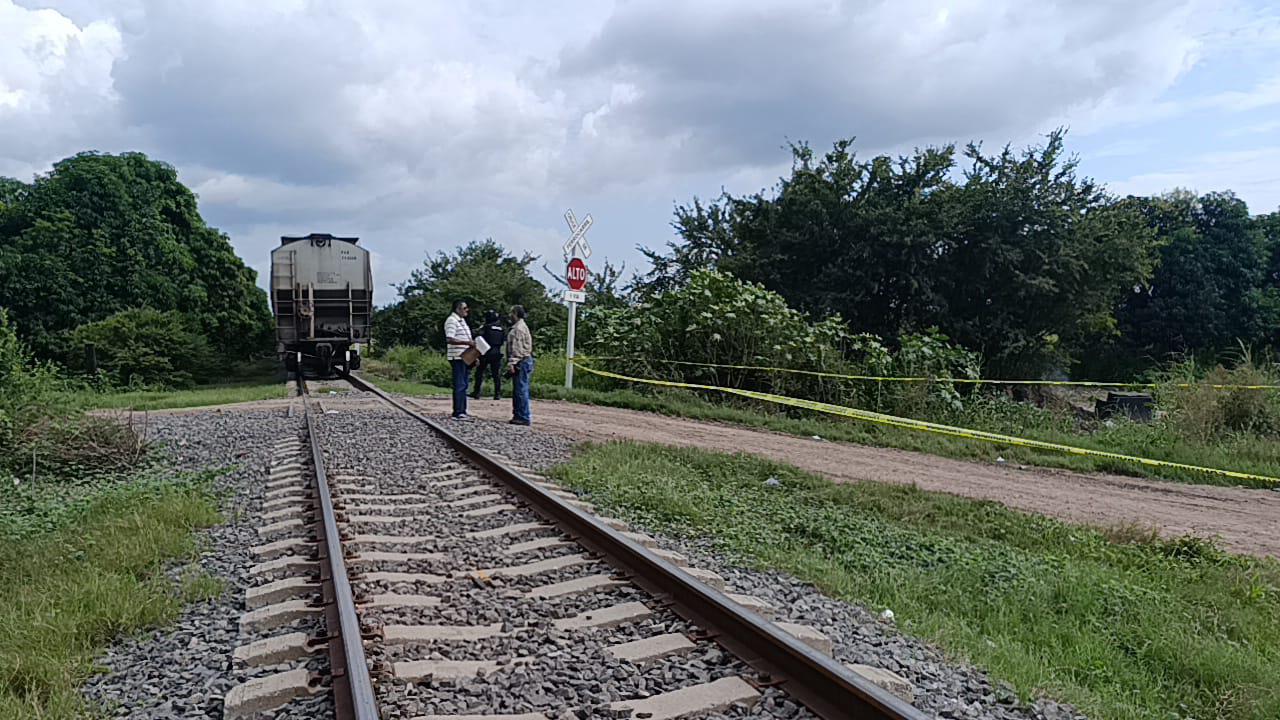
[576, 274]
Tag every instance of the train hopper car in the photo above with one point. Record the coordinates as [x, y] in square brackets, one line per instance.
[322, 299]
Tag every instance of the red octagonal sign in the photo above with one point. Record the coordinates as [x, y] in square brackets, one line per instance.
[576, 274]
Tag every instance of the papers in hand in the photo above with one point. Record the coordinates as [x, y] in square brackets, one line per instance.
[481, 345]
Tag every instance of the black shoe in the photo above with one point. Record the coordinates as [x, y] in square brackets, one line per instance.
[514, 421]
[475, 397]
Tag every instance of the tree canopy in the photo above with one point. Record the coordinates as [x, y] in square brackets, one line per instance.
[1210, 290]
[101, 234]
[485, 275]
[1011, 254]
[145, 347]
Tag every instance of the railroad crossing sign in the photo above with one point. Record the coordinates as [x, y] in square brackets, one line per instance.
[576, 274]
[577, 246]
[575, 250]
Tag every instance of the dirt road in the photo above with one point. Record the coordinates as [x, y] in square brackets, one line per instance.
[1246, 521]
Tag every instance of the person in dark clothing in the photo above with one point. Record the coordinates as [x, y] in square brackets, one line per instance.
[494, 334]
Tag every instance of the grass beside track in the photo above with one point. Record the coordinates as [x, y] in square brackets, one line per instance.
[194, 397]
[247, 382]
[1123, 625]
[81, 566]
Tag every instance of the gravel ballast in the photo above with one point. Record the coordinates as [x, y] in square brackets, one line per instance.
[564, 673]
[184, 671]
[945, 689]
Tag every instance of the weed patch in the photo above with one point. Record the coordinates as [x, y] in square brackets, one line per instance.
[86, 568]
[195, 397]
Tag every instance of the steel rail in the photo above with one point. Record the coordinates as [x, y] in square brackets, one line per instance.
[352, 684]
[820, 683]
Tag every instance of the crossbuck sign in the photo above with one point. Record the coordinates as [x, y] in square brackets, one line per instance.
[575, 251]
[576, 245]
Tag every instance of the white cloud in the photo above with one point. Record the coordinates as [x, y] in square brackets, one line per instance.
[55, 83]
[1128, 147]
[1261, 95]
[1253, 174]
[1252, 129]
[724, 82]
[423, 124]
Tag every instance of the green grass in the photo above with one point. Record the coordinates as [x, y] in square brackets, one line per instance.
[248, 382]
[81, 567]
[194, 397]
[1121, 624]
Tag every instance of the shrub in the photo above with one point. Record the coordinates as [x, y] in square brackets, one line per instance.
[28, 393]
[39, 425]
[146, 347]
[27, 388]
[718, 319]
[1197, 411]
[420, 364]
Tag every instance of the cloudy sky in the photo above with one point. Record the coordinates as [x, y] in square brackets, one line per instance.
[421, 125]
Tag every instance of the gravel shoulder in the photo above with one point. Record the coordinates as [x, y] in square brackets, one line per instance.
[944, 688]
[567, 674]
[184, 670]
[1243, 520]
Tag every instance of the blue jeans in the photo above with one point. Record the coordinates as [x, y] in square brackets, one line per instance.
[461, 379]
[520, 392]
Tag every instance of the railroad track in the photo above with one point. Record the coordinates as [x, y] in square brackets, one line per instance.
[467, 574]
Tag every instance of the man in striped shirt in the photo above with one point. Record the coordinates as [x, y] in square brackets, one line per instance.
[457, 337]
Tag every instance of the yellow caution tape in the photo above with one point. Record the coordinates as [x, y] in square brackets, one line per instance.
[938, 428]
[969, 381]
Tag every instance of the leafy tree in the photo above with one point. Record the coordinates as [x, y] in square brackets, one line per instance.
[1040, 261]
[1022, 260]
[1269, 227]
[146, 347]
[1208, 293]
[482, 273]
[104, 233]
[839, 236]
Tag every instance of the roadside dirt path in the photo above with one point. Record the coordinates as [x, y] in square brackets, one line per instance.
[1245, 521]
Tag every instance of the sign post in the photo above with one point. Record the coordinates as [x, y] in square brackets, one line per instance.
[575, 250]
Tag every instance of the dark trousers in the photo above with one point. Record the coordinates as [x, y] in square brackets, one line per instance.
[492, 362]
[461, 378]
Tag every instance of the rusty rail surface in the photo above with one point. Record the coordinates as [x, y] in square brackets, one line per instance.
[353, 694]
